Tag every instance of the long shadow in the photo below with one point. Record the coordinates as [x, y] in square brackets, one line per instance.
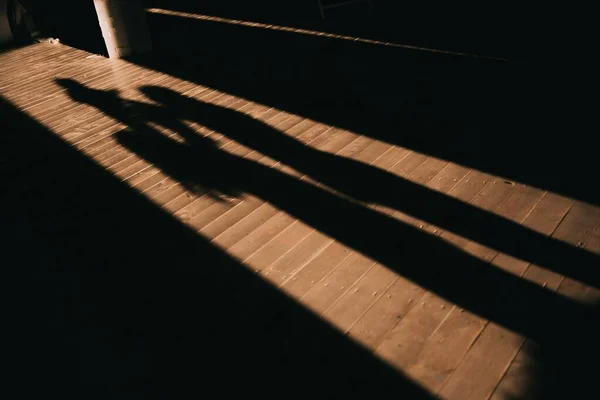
[373, 185]
[112, 298]
[353, 178]
[564, 329]
[519, 121]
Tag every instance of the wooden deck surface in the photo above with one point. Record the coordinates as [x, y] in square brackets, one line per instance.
[456, 309]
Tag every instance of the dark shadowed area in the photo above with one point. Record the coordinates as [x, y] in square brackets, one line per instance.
[522, 121]
[114, 298]
[111, 296]
[503, 298]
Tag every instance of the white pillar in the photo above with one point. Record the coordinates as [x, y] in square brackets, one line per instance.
[124, 27]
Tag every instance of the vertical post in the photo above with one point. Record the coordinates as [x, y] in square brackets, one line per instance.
[124, 27]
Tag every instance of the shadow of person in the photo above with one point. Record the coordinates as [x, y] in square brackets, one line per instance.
[137, 117]
[496, 295]
[494, 117]
[373, 185]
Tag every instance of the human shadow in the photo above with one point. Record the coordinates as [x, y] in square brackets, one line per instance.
[110, 297]
[491, 116]
[373, 185]
[496, 295]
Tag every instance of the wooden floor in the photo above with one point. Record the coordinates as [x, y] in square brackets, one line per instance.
[419, 326]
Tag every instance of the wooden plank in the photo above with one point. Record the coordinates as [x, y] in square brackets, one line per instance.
[36, 95]
[214, 211]
[405, 341]
[372, 152]
[302, 260]
[298, 130]
[354, 303]
[443, 352]
[543, 277]
[103, 80]
[245, 226]
[295, 130]
[121, 165]
[16, 56]
[298, 257]
[50, 91]
[521, 202]
[431, 361]
[484, 364]
[444, 349]
[28, 81]
[340, 280]
[575, 228]
[593, 243]
[448, 178]
[151, 179]
[510, 264]
[231, 217]
[421, 175]
[195, 208]
[517, 208]
[427, 171]
[294, 260]
[391, 307]
[247, 152]
[92, 131]
[161, 187]
[478, 375]
[170, 195]
[44, 101]
[315, 270]
[391, 157]
[279, 246]
[358, 145]
[335, 141]
[548, 213]
[519, 379]
[260, 236]
[490, 198]
[174, 191]
[473, 183]
[306, 280]
[494, 194]
[578, 225]
[386, 311]
[408, 164]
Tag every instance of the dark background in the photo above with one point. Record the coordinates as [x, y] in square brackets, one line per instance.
[107, 290]
[501, 29]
